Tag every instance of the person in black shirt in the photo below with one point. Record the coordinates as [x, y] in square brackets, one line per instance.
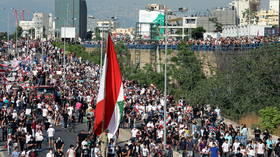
[82, 136]
[238, 154]
[277, 148]
[257, 133]
[111, 148]
[4, 131]
[85, 152]
[125, 150]
[31, 144]
[59, 153]
[59, 144]
[65, 118]
[21, 139]
[183, 145]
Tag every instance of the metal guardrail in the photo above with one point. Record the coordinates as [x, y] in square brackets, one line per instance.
[229, 47]
[137, 46]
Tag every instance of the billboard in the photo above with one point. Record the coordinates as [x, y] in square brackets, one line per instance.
[148, 21]
[146, 16]
[68, 32]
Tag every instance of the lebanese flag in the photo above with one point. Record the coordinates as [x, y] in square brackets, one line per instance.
[110, 99]
[4, 68]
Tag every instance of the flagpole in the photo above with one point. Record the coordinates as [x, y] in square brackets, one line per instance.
[101, 48]
[103, 121]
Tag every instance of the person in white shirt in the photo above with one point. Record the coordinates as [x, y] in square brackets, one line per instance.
[45, 112]
[244, 134]
[205, 151]
[39, 105]
[28, 137]
[150, 124]
[14, 114]
[218, 111]
[50, 153]
[251, 151]
[71, 152]
[134, 132]
[226, 148]
[145, 151]
[95, 151]
[260, 149]
[70, 110]
[84, 143]
[235, 145]
[51, 132]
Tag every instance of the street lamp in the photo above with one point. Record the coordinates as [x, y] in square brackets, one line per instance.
[56, 30]
[279, 19]
[74, 19]
[101, 43]
[165, 67]
[16, 52]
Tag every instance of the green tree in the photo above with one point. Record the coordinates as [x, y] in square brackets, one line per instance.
[218, 25]
[18, 33]
[250, 16]
[3, 35]
[97, 34]
[31, 32]
[185, 71]
[147, 76]
[44, 32]
[197, 33]
[250, 82]
[19, 29]
[270, 118]
[124, 58]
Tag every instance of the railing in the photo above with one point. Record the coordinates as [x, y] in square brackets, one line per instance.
[137, 46]
[229, 47]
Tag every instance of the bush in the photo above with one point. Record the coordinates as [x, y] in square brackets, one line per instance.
[270, 118]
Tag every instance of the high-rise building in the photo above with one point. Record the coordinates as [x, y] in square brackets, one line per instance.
[242, 6]
[83, 19]
[225, 16]
[274, 5]
[267, 17]
[41, 23]
[71, 13]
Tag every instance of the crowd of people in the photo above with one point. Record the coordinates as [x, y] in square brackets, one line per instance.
[44, 89]
[209, 41]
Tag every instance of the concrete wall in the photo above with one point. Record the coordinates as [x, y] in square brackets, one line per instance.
[211, 60]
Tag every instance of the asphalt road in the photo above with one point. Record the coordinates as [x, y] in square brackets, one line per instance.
[67, 136]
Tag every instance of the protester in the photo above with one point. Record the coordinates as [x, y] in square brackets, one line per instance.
[42, 91]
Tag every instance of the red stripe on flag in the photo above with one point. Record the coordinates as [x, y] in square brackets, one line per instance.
[113, 81]
[3, 65]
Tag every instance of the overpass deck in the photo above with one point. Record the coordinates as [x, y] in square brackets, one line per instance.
[228, 47]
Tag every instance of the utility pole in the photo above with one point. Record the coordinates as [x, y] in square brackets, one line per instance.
[16, 35]
[8, 36]
[165, 76]
[279, 18]
[238, 18]
[249, 19]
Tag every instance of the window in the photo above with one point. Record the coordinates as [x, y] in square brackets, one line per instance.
[190, 21]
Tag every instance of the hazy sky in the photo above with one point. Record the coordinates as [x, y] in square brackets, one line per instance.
[125, 10]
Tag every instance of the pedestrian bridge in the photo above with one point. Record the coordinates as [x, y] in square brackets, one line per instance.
[225, 47]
